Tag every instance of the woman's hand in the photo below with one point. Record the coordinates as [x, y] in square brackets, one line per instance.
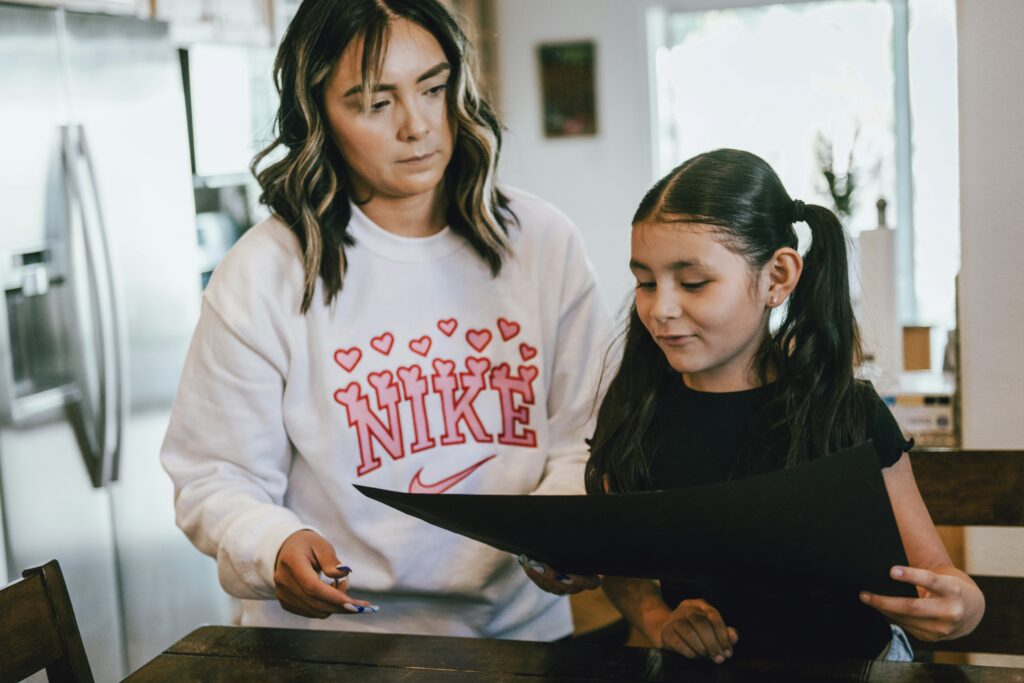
[299, 588]
[554, 581]
[695, 629]
[947, 606]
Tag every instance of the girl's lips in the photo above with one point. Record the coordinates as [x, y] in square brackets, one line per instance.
[676, 339]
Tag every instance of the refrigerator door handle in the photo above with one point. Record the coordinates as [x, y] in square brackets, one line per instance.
[117, 408]
[94, 425]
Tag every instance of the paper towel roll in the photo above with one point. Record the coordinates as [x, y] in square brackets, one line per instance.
[879, 311]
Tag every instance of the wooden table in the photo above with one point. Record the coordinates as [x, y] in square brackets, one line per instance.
[230, 653]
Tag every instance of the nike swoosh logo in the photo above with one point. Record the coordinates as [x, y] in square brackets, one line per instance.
[417, 485]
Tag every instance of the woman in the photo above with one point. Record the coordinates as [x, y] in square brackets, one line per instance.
[399, 322]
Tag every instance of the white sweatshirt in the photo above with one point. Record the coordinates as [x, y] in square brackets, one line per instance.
[426, 375]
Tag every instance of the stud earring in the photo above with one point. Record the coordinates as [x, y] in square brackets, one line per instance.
[771, 302]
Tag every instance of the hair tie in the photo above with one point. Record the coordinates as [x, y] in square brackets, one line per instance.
[798, 211]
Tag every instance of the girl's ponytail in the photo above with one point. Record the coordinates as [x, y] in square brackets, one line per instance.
[818, 344]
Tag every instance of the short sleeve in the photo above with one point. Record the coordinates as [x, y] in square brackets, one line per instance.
[882, 428]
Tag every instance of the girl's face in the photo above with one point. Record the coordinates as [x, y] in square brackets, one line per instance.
[400, 144]
[700, 302]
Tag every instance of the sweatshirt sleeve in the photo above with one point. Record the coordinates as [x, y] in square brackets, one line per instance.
[228, 454]
[583, 336]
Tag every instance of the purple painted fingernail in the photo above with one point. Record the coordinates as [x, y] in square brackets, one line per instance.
[360, 609]
[344, 568]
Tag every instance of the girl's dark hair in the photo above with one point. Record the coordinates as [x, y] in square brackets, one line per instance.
[305, 183]
[815, 406]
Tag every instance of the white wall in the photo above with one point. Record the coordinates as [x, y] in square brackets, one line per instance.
[598, 181]
[992, 253]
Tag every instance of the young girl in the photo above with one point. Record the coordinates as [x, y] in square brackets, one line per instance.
[399, 322]
[708, 392]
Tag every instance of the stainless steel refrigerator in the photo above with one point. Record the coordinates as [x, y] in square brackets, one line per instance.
[98, 262]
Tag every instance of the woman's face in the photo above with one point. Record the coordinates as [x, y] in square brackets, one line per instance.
[400, 144]
[700, 303]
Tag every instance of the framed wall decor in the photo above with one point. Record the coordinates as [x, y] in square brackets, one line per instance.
[568, 90]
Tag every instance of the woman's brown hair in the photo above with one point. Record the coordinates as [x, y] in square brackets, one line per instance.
[304, 182]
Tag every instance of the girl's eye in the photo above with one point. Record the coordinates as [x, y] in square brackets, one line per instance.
[379, 105]
[649, 286]
[437, 89]
[693, 286]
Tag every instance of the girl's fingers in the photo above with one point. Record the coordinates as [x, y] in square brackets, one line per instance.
[721, 631]
[903, 607]
[930, 581]
[683, 640]
[708, 635]
[671, 640]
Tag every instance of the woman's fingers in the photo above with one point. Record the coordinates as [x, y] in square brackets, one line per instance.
[553, 581]
[298, 604]
[298, 583]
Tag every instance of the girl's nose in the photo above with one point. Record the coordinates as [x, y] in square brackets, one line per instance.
[666, 307]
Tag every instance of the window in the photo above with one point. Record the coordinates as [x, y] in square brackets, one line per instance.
[872, 80]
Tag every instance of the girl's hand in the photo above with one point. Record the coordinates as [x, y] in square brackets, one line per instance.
[938, 613]
[554, 581]
[299, 588]
[696, 629]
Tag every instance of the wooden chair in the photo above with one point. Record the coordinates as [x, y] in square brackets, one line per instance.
[38, 629]
[978, 488]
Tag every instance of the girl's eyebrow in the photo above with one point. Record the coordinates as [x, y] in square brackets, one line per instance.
[675, 265]
[381, 87]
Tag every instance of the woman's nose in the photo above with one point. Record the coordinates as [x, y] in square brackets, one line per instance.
[414, 125]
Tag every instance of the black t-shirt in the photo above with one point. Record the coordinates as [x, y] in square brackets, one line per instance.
[699, 438]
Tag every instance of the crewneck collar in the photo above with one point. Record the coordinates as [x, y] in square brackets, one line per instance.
[371, 236]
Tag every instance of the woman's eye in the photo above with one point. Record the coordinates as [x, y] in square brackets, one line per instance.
[645, 285]
[437, 89]
[379, 105]
[693, 286]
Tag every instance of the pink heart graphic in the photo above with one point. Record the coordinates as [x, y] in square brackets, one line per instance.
[507, 328]
[527, 373]
[421, 345]
[443, 367]
[383, 343]
[348, 358]
[526, 352]
[349, 396]
[479, 339]
[478, 366]
[447, 326]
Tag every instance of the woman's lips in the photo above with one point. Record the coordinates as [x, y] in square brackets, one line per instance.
[418, 160]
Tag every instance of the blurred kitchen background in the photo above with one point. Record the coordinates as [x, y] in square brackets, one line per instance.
[129, 126]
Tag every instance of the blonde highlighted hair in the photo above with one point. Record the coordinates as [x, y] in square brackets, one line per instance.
[307, 186]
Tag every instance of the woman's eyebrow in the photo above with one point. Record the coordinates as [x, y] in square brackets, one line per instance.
[382, 87]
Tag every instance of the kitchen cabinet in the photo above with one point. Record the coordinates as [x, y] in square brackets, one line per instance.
[132, 7]
[217, 21]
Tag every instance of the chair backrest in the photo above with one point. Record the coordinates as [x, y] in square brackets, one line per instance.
[979, 488]
[38, 629]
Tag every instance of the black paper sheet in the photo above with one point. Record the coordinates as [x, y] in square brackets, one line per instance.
[824, 523]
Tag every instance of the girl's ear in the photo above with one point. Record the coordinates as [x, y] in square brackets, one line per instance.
[783, 270]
